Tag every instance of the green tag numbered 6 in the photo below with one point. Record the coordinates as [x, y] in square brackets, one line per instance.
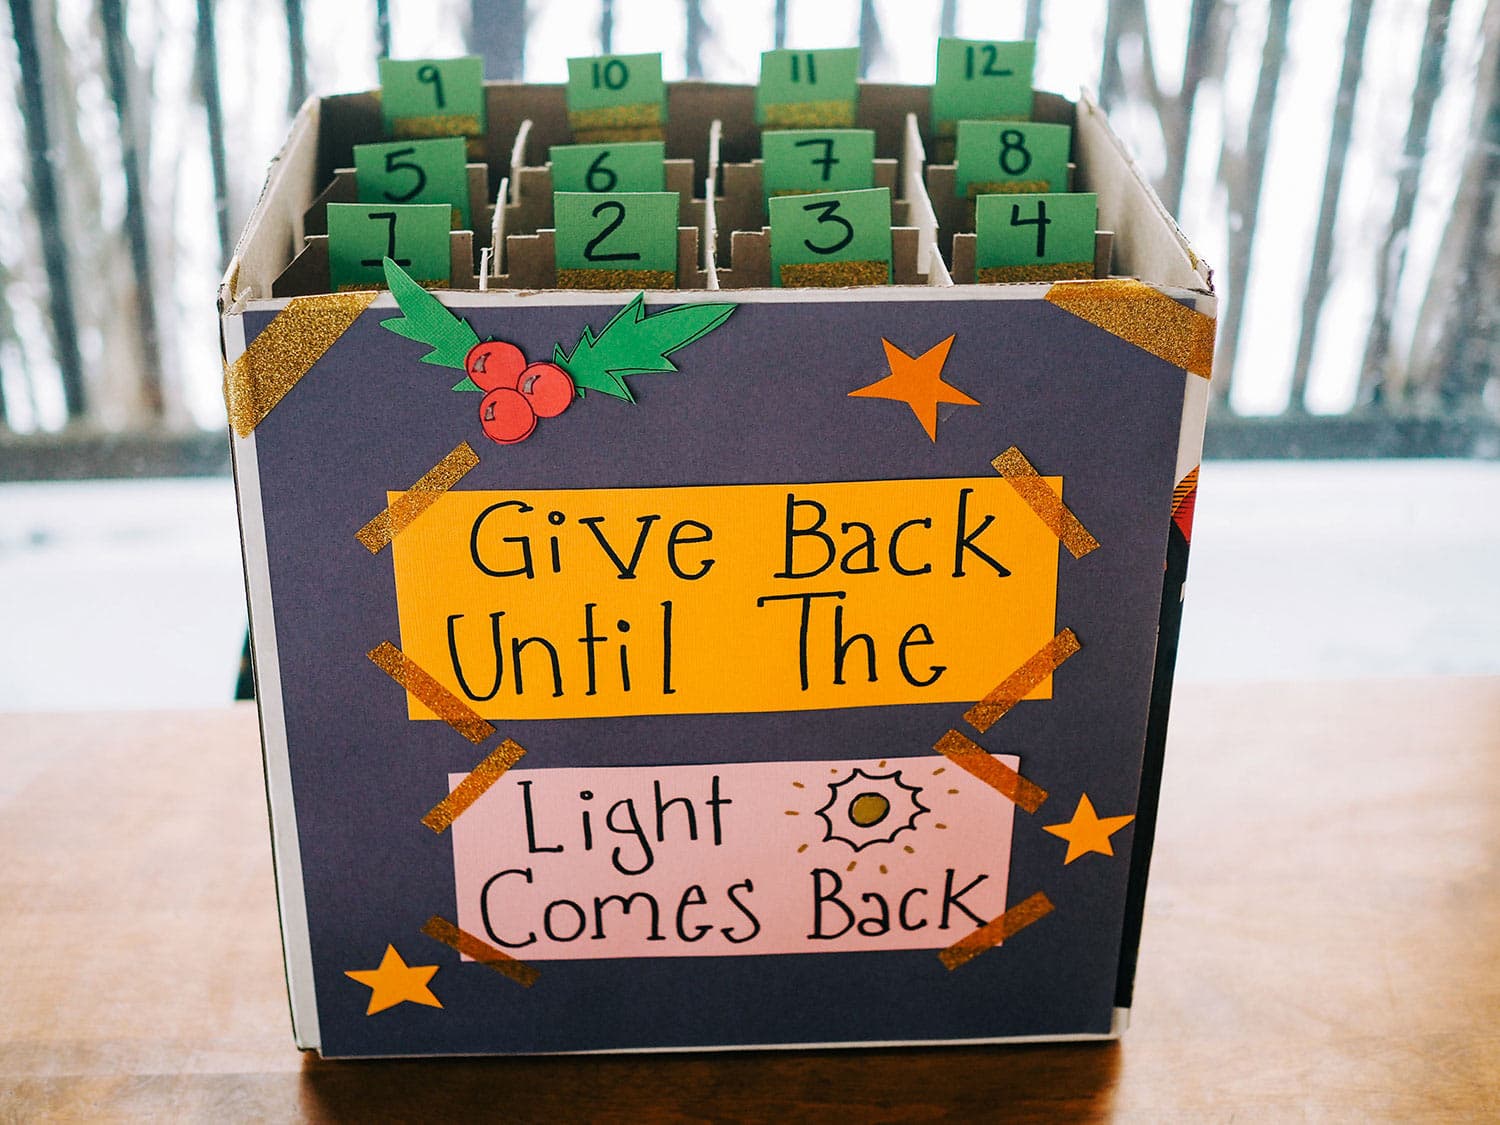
[433, 97]
[432, 171]
[981, 80]
[616, 98]
[629, 166]
[1043, 237]
[616, 240]
[1004, 156]
[800, 160]
[413, 235]
[831, 239]
[808, 89]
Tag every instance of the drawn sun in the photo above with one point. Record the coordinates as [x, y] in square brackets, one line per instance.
[865, 809]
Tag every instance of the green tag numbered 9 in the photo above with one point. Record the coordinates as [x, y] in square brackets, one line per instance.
[981, 80]
[616, 98]
[1043, 237]
[800, 160]
[432, 171]
[413, 235]
[1003, 156]
[616, 240]
[808, 89]
[629, 166]
[831, 239]
[433, 97]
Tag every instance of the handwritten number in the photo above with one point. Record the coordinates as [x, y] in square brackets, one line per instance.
[597, 168]
[1041, 223]
[1013, 142]
[991, 57]
[829, 214]
[432, 76]
[609, 228]
[812, 70]
[393, 166]
[390, 239]
[827, 160]
[612, 75]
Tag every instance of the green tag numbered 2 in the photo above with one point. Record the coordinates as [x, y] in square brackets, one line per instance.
[981, 80]
[1003, 156]
[433, 97]
[831, 239]
[616, 240]
[1042, 237]
[808, 89]
[629, 166]
[800, 160]
[432, 171]
[413, 235]
[616, 98]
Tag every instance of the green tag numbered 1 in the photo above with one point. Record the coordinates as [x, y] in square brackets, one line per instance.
[433, 97]
[831, 239]
[432, 171]
[616, 240]
[629, 166]
[1043, 237]
[801, 160]
[981, 80]
[1004, 156]
[413, 235]
[616, 98]
[808, 89]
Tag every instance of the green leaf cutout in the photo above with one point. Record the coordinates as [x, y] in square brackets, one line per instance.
[633, 343]
[426, 320]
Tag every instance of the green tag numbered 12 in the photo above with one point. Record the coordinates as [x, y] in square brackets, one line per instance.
[831, 239]
[808, 89]
[628, 166]
[413, 235]
[1043, 237]
[981, 80]
[616, 240]
[432, 171]
[433, 97]
[800, 160]
[616, 98]
[1005, 156]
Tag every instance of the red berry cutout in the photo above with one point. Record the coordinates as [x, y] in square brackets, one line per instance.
[506, 416]
[548, 388]
[494, 363]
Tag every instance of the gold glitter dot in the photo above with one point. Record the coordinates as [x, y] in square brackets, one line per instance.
[869, 809]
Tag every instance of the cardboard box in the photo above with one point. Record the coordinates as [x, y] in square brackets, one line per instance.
[886, 767]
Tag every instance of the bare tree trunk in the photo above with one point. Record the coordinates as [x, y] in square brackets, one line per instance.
[497, 31]
[871, 45]
[696, 38]
[383, 28]
[206, 71]
[296, 50]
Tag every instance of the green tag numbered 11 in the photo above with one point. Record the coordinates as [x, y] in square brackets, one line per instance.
[1005, 156]
[808, 89]
[433, 97]
[800, 160]
[432, 171]
[1043, 237]
[413, 235]
[628, 166]
[831, 239]
[616, 98]
[616, 240]
[981, 80]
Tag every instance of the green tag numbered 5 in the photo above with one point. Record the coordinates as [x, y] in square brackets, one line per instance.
[629, 166]
[616, 98]
[432, 171]
[808, 89]
[616, 240]
[1003, 156]
[1043, 237]
[413, 235]
[801, 160]
[981, 80]
[433, 97]
[831, 239]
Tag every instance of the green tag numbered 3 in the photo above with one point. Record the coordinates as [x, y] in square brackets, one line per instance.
[616, 240]
[808, 89]
[628, 166]
[1043, 237]
[433, 97]
[1003, 156]
[413, 235]
[432, 171]
[616, 98]
[802, 160]
[981, 80]
[831, 239]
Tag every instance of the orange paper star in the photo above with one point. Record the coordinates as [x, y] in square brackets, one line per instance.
[918, 383]
[1087, 831]
[396, 982]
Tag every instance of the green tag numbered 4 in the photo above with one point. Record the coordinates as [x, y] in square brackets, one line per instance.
[616, 240]
[1003, 156]
[432, 171]
[1043, 237]
[433, 97]
[808, 89]
[361, 235]
[616, 98]
[831, 239]
[981, 80]
[629, 166]
[802, 160]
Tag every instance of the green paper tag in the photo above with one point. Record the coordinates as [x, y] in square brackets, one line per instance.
[619, 96]
[433, 97]
[1005, 156]
[361, 235]
[626, 166]
[415, 172]
[808, 88]
[616, 231]
[981, 80]
[818, 160]
[1024, 232]
[834, 238]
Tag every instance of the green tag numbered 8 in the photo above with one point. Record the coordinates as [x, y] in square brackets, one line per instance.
[413, 235]
[1042, 237]
[616, 240]
[628, 166]
[616, 98]
[800, 160]
[1003, 156]
[433, 97]
[432, 171]
[808, 89]
[981, 80]
[831, 239]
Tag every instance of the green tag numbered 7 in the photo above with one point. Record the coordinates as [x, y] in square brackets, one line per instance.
[808, 89]
[831, 239]
[616, 240]
[433, 97]
[616, 98]
[1043, 237]
[1004, 156]
[432, 171]
[800, 160]
[981, 80]
[629, 166]
[361, 235]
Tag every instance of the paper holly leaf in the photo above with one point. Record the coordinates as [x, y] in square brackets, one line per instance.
[633, 343]
[427, 320]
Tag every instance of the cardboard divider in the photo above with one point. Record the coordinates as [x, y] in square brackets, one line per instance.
[750, 255]
[531, 262]
[531, 209]
[308, 272]
[342, 189]
[963, 247]
[743, 204]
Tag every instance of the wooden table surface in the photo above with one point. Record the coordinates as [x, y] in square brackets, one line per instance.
[1322, 941]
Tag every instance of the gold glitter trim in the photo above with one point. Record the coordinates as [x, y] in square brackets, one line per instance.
[616, 123]
[1020, 683]
[810, 115]
[1184, 489]
[436, 125]
[1048, 506]
[834, 275]
[1145, 317]
[1052, 271]
[974, 758]
[601, 136]
[616, 279]
[471, 788]
[1012, 922]
[285, 351]
[440, 929]
[438, 699]
[1007, 187]
[401, 511]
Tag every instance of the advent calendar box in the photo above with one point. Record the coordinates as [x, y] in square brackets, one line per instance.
[804, 682]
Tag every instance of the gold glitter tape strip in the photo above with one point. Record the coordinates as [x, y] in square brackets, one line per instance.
[1012, 922]
[438, 699]
[1051, 271]
[1048, 506]
[1020, 683]
[974, 758]
[1145, 317]
[471, 788]
[1007, 187]
[400, 513]
[633, 133]
[286, 350]
[834, 275]
[436, 125]
[1184, 489]
[616, 123]
[616, 279]
[440, 929]
[810, 115]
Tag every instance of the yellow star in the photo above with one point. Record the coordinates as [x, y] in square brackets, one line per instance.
[396, 982]
[918, 383]
[1087, 831]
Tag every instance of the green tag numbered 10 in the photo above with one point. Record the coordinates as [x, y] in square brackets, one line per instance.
[616, 240]
[1043, 237]
[413, 235]
[628, 166]
[432, 171]
[808, 89]
[981, 80]
[433, 97]
[616, 98]
[1004, 156]
[831, 239]
[800, 160]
